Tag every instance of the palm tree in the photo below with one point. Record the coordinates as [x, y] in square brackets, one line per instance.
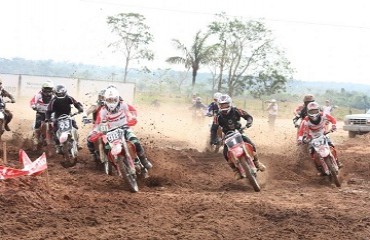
[199, 53]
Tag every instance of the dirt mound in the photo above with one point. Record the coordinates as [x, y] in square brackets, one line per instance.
[190, 194]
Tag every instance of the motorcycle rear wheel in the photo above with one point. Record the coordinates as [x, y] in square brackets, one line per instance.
[130, 178]
[252, 177]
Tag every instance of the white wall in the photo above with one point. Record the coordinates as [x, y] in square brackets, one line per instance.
[84, 90]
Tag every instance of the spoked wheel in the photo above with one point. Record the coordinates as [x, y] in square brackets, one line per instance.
[333, 173]
[70, 159]
[252, 177]
[130, 178]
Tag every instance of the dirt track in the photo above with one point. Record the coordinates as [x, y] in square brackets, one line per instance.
[190, 194]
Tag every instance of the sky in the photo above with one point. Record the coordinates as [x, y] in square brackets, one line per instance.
[324, 40]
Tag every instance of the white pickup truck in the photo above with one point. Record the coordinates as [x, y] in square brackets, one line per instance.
[357, 124]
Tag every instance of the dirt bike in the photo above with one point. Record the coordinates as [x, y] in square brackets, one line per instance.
[103, 162]
[123, 157]
[240, 154]
[45, 138]
[325, 157]
[68, 138]
[215, 147]
[2, 116]
[198, 115]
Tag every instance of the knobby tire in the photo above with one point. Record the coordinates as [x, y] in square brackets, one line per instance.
[130, 178]
[252, 178]
[333, 172]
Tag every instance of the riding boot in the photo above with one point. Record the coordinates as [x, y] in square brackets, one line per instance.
[237, 175]
[93, 153]
[6, 127]
[146, 163]
[8, 118]
[260, 166]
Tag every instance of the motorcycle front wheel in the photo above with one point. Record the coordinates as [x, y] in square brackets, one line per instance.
[130, 178]
[252, 177]
[333, 171]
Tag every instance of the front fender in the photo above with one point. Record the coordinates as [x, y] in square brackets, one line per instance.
[63, 137]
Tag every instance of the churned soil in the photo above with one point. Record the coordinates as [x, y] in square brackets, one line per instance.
[191, 193]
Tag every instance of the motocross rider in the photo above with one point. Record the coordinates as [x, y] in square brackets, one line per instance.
[39, 103]
[213, 106]
[314, 124]
[198, 104]
[229, 119]
[301, 111]
[95, 110]
[118, 114]
[59, 105]
[8, 114]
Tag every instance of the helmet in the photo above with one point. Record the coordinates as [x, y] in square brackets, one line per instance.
[273, 100]
[217, 95]
[112, 86]
[198, 100]
[60, 91]
[308, 98]
[224, 103]
[313, 110]
[111, 96]
[47, 88]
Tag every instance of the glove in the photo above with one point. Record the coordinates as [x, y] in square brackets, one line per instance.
[333, 127]
[248, 125]
[34, 107]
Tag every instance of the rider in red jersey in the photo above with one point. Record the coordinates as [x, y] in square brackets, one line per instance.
[314, 124]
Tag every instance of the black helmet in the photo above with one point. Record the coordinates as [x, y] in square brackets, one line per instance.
[60, 91]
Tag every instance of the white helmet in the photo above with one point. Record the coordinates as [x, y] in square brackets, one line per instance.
[224, 103]
[47, 88]
[313, 110]
[217, 95]
[111, 98]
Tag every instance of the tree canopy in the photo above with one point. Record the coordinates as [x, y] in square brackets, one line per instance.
[133, 37]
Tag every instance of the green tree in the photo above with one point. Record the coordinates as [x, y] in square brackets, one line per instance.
[249, 56]
[133, 37]
[199, 53]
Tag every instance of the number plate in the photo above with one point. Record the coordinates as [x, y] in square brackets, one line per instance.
[114, 135]
[65, 124]
[42, 108]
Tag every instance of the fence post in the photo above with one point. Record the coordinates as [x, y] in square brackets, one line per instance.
[5, 154]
